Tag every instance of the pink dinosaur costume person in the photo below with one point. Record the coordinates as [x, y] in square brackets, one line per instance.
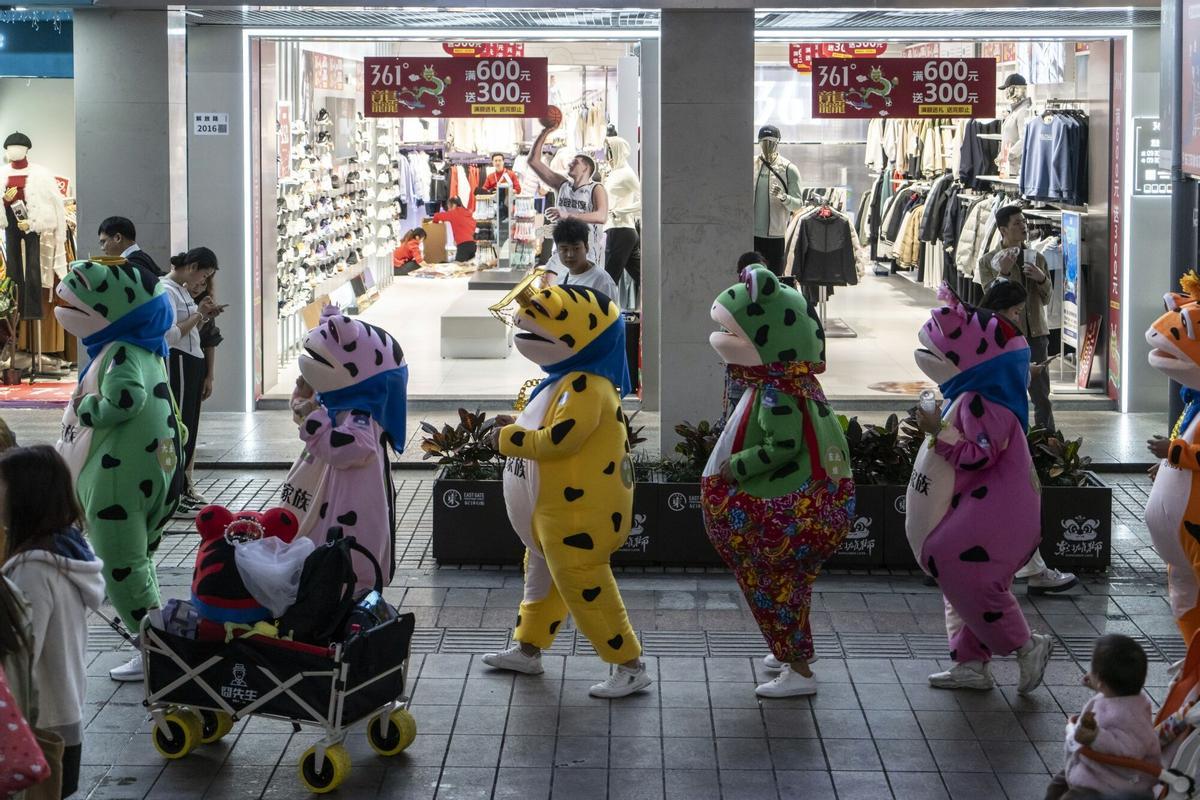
[974, 504]
[343, 478]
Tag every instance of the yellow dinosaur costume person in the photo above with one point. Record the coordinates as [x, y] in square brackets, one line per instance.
[568, 482]
[1173, 509]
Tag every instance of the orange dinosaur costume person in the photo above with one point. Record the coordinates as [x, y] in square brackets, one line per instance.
[1173, 510]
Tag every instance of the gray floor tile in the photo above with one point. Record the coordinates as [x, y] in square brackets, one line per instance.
[743, 754]
[696, 753]
[807, 784]
[692, 784]
[945, 725]
[905, 755]
[532, 720]
[684, 694]
[959, 755]
[480, 719]
[635, 784]
[787, 723]
[687, 722]
[581, 752]
[996, 726]
[1013, 757]
[466, 783]
[409, 783]
[580, 784]
[836, 696]
[473, 750]
[527, 751]
[742, 784]
[626, 720]
[842, 725]
[797, 754]
[919, 786]
[635, 752]
[884, 696]
[738, 722]
[522, 783]
[861, 785]
[972, 786]
[893, 724]
[852, 754]
[1019, 786]
[583, 721]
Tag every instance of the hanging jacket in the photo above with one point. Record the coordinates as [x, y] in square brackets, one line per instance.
[825, 251]
[967, 251]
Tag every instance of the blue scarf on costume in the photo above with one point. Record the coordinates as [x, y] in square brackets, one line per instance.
[605, 357]
[383, 396]
[143, 327]
[1191, 407]
[1003, 380]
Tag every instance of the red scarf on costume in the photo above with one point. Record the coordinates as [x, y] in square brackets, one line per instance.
[795, 378]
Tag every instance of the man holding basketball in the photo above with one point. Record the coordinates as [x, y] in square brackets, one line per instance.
[580, 196]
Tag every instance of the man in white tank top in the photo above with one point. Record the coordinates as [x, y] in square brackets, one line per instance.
[579, 196]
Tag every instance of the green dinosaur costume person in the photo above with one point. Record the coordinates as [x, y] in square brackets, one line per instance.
[120, 435]
[777, 493]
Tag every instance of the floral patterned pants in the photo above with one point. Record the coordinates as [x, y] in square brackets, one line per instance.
[776, 548]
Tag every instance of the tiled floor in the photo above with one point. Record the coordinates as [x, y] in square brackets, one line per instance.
[874, 730]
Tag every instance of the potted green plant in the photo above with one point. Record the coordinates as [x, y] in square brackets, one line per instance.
[470, 521]
[881, 460]
[1076, 504]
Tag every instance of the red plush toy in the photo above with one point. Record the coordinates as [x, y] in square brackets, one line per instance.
[218, 592]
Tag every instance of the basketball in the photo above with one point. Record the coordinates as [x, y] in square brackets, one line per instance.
[552, 119]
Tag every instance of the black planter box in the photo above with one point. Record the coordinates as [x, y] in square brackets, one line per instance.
[863, 547]
[684, 540]
[646, 536]
[897, 553]
[470, 523]
[1077, 526]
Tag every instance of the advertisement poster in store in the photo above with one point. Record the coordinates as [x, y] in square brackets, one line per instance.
[1190, 87]
[906, 88]
[801, 54]
[1116, 220]
[1072, 245]
[484, 49]
[400, 86]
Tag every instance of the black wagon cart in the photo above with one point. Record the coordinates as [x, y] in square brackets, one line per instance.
[196, 691]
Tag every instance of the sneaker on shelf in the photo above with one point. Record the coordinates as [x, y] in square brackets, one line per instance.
[774, 664]
[1051, 581]
[622, 682]
[130, 671]
[967, 675]
[1033, 662]
[788, 683]
[514, 659]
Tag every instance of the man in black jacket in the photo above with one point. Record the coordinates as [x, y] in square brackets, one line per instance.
[118, 238]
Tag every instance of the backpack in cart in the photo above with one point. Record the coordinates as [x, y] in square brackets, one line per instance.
[325, 601]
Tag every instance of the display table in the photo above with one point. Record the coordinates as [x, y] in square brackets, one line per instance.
[470, 331]
[491, 280]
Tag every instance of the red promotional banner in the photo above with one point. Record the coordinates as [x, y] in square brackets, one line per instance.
[903, 88]
[801, 54]
[401, 86]
[484, 49]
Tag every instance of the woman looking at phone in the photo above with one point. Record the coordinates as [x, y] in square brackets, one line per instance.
[188, 369]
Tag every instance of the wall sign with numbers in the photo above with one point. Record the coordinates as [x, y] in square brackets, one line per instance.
[904, 88]
[210, 124]
[401, 86]
[1147, 141]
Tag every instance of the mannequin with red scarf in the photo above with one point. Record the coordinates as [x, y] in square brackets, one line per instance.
[34, 225]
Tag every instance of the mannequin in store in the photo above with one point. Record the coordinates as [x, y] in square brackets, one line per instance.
[578, 194]
[35, 227]
[1012, 130]
[623, 245]
[776, 196]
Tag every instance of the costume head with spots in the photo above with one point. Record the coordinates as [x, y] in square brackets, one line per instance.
[342, 352]
[97, 294]
[1174, 338]
[958, 337]
[764, 321]
[572, 328]
[218, 591]
[354, 366]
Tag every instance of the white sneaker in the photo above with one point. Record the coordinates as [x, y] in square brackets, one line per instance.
[774, 664]
[514, 659]
[788, 683]
[196, 498]
[1033, 662]
[1050, 581]
[967, 675]
[129, 672]
[622, 682]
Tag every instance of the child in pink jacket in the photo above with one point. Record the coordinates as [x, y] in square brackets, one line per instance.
[1117, 721]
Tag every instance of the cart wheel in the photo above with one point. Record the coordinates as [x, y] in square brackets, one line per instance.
[333, 771]
[216, 724]
[183, 733]
[402, 729]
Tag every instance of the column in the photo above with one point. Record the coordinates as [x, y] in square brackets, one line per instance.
[128, 109]
[216, 188]
[707, 85]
